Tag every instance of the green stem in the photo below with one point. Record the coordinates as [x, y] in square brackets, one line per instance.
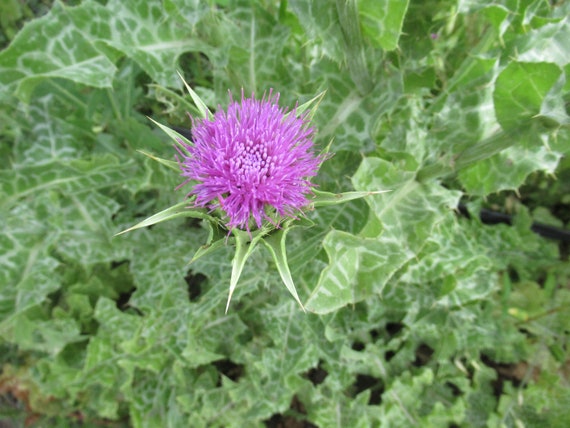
[435, 170]
[551, 311]
[354, 46]
[487, 148]
[484, 150]
[487, 40]
[114, 105]
[77, 101]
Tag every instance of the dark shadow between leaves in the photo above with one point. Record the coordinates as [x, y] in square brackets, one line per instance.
[195, 282]
[515, 373]
[423, 355]
[374, 384]
[123, 305]
[393, 328]
[229, 369]
[294, 417]
[358, 346]
[317, 374]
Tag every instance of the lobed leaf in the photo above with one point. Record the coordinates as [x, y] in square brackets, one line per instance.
[520, 91]
[382, 21]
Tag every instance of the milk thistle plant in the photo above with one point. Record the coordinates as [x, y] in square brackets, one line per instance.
[249, 169]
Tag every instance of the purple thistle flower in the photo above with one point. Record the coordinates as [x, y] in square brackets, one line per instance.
[253, 157]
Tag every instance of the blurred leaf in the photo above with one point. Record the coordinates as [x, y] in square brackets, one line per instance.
[382, 21]
[320, 22]
[545, 44]
[520, 91]
[508, 169]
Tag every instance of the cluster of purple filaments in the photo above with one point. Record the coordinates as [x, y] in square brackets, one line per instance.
[250, 158]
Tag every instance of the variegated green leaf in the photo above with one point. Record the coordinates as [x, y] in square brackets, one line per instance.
[382, 21]
[72, 177]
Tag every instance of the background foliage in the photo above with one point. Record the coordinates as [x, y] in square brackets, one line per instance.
[418, 316]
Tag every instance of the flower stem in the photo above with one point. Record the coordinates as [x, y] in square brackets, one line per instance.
[354, 46]
[485, 149]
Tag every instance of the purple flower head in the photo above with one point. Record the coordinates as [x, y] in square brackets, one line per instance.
[254, 159]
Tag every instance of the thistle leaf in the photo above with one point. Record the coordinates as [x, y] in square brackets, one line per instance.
[276, 245]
